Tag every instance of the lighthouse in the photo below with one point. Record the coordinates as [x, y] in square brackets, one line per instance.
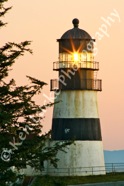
[75, 116]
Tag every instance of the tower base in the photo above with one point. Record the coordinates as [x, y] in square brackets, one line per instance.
[82, 158]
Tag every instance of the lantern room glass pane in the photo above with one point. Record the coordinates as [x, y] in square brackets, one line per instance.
[65, 57]
[84, 56]
[87, 56]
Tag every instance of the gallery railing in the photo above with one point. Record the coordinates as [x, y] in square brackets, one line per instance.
[83, 84]
[71, 64]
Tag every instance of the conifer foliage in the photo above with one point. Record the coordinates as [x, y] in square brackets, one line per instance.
[21, 140]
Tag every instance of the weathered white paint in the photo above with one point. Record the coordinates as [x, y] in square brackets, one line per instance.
[29, 171]
[81, 158]
[76, 104]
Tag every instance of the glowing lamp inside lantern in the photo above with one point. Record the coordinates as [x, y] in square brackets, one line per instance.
[76, 57]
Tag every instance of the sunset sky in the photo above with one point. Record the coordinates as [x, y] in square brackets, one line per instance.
[43, 22]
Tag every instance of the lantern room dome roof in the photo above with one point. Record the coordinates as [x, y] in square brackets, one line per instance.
[76, 33]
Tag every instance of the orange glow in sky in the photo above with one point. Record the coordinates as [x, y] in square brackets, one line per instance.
[43, 22]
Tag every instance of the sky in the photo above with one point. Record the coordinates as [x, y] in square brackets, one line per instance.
[42, 22]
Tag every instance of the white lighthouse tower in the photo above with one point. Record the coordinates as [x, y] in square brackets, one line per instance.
[75, 116]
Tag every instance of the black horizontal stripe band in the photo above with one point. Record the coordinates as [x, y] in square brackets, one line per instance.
[76, 129]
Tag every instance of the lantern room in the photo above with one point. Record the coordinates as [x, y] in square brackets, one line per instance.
[76, 65]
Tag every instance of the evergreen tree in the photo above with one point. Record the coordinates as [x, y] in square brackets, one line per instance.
[21, 140]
